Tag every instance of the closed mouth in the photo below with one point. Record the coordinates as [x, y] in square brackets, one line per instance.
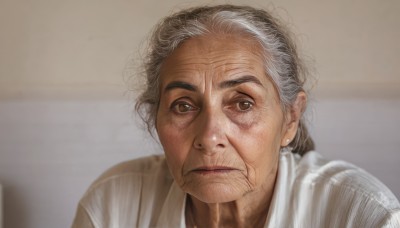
[213, 170]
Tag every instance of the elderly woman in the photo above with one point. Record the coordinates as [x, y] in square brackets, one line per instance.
[225, 96]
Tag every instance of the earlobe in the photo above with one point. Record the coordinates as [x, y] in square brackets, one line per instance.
[293, 117]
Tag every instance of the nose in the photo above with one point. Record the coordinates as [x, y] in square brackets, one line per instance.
[210, 130]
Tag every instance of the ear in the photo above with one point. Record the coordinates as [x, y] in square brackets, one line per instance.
[293, 116]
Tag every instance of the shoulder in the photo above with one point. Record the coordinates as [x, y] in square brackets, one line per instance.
[138, 173]
[345, 191]
[144, 166]
[128, 191]
[318, 171]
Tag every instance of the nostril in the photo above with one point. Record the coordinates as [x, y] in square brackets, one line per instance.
[198, 145]
[220, 145]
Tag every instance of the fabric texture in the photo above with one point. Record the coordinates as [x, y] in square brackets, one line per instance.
[309, 192]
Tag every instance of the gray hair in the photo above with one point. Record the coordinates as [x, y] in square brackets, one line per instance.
[282, 63]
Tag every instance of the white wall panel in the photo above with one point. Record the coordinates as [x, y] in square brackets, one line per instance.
[50, 151]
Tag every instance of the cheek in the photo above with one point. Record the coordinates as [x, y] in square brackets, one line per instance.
[258, 145]
[257, 131]
[246, 121]
[175, 147]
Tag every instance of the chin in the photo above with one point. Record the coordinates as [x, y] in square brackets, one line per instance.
[216, 193]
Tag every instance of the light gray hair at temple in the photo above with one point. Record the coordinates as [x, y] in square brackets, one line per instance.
[282, 63]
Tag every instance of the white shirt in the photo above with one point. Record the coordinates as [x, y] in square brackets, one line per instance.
[309, 192]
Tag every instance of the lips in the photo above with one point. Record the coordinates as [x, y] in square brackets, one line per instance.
[213, 170]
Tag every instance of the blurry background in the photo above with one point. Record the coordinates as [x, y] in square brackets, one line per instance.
[66, 115]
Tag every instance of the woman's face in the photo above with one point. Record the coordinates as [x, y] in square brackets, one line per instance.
[219, 119]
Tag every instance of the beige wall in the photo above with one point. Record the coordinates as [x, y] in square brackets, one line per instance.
[74, 48]
[64, 115]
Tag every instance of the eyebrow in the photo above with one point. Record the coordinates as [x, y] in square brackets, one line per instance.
[181, 85]
[223, 85]
[238, 81]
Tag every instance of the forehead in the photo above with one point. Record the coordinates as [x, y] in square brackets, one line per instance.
[215, 55]
[210, 43]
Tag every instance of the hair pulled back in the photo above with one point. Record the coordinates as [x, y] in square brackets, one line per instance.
[281, 61]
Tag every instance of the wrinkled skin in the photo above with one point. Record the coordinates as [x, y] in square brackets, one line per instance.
[221, 124]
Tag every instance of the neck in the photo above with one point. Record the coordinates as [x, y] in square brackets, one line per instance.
[249, 211]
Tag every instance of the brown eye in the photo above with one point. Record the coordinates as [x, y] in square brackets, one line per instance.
[244, 105]
[182, 107]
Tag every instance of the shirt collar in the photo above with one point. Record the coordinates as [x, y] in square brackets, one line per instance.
[282, 191]
[173, 211]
